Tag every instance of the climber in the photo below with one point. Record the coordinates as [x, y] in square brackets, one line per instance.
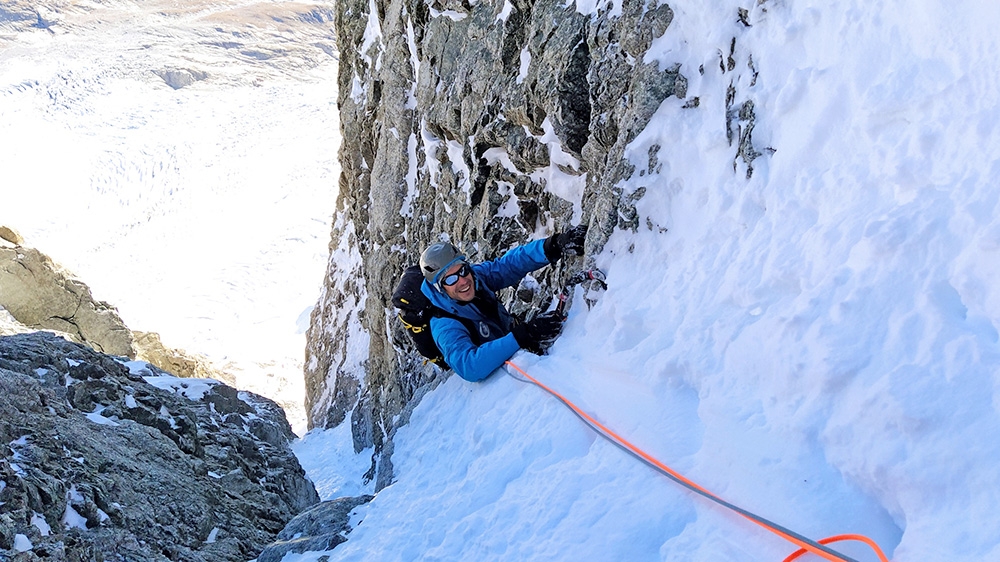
[477, 334]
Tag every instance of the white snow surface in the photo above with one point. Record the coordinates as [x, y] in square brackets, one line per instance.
[202, 213]
[817, 344]
[192, 389]
[22, 543]
[38, 520]
[97, 417]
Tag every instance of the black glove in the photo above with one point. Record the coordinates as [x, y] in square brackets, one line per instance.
[569, 242]
[538, 334]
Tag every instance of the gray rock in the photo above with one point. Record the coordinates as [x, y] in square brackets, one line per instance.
[194, 471]
[39, 294]
[42, 295]
[321, 527]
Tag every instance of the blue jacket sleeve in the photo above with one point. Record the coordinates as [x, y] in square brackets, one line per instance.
[473, 363]
[510, 268]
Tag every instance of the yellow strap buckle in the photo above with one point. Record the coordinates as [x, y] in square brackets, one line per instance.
[411, 327]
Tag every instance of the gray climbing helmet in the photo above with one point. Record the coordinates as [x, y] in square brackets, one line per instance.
[437, 258]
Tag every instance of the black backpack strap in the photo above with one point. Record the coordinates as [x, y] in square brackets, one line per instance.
[408, 294]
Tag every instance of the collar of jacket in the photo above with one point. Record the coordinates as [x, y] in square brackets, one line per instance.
[441, 300]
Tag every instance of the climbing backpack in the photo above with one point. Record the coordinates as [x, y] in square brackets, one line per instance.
[416, 311]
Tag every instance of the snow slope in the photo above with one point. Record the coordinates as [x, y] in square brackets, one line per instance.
[201, 213]
[817, 344]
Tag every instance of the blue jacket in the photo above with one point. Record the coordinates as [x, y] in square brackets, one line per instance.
[476, 362]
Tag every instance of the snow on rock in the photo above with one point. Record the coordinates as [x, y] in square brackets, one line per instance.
[22, 543]
[113, 455]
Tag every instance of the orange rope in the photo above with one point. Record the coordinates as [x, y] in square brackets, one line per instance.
[860, 538]
[805, 545]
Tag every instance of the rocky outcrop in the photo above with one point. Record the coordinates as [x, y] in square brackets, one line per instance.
[178, 78]
[106, 461]
[492, 122]
[175, 361]
[43, 296]
[321, 527]
[9, 234]
[37, 294]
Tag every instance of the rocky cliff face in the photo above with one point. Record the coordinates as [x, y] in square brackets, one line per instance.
[38, 294]
[494, 122]
[43, 296]
[106, 461]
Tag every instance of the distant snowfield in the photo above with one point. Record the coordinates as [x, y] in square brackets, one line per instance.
[202, 213]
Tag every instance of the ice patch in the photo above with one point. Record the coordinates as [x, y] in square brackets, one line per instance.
[497, 155]
[165, 413]
[71, 518]
[510, 206]
[450, 14]
[505, 12]
[525, 64]
[372, 36]
[406, 208]
[568, 187]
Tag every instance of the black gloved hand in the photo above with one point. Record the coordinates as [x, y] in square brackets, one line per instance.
[569, 242]
[538, 334]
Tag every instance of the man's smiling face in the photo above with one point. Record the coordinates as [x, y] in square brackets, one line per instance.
[464, 289]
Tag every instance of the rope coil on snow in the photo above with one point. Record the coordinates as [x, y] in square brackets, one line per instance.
[805, 545]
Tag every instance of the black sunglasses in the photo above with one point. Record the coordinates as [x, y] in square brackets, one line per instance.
[453, 278]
